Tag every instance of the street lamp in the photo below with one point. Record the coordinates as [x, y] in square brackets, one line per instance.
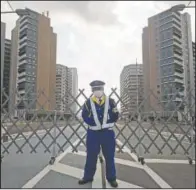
[19, 12]
[180, 7]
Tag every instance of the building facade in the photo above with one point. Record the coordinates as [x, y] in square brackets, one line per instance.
[164, 55]
[66, 87]
[13, 69]
[188, 62]
[131, 89]
[193, 46]
[34, 59]
[2, 52]
[6, 72]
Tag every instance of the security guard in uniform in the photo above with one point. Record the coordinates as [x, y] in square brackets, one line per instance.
[100, 113]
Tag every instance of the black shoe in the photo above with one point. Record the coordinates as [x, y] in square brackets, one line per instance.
[113, 183]
[82, 181]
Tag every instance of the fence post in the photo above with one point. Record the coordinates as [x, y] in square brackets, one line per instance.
[141, 156]
[192, 157]
[52, 160]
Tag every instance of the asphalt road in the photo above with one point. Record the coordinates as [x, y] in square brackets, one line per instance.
[18, 127]
[18, 168]
[178, 127]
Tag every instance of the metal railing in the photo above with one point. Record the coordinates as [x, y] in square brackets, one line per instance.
[150, 131]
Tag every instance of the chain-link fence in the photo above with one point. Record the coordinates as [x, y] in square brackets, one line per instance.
[156, 126]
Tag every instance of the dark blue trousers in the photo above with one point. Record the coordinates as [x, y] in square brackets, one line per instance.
[106, 139]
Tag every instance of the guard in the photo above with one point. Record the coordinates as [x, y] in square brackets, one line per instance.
[100, 113]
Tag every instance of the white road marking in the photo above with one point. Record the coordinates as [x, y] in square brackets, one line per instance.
[123, 184]
[32, 182]
[127, 150]
[67, 170]
[118, 161]
[97, 182]
[167, 161]
[156, 177]
[151, 173]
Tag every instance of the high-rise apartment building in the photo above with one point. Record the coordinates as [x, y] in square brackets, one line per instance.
[2, 50]
[73, 86]
[131, 89]
[188, 61]
[34, 59]
[193, 78]
[6, 72]
[13, 68]
[165, 64]
[66, 85]
[193, 46]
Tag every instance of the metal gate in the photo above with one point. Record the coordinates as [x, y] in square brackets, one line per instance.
[150, 129]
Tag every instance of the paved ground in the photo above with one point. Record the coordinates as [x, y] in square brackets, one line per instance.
[32, 170]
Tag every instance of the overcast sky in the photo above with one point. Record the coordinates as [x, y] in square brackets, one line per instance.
[98, 38]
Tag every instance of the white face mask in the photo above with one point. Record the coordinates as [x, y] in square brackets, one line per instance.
[98, 93]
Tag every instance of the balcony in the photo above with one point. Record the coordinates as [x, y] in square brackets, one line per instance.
[23, 62]
[22, 56]
[177, 50]
[23, 39]
[21, 80]
[177, 33]
[22, 45]
[22, 74]
[21, 69]
[178, 70]
[179, 81]
[177, 41]
[176, 55]
[179, 74]
[24, 19]
[175, 15]
[177, 24]
[22, 35]
[24, 26]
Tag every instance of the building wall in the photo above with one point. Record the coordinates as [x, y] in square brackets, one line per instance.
[73, 86]
[35, 46]
[2, 50]
[46, 62]
[13, 68]
[61, 87]
[6, 72]
[188, 59]
[66, 84]
[163, 59]
[193, 46]
[132, 89]
[146, 67]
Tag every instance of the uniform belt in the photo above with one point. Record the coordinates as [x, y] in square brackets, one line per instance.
[105, 126]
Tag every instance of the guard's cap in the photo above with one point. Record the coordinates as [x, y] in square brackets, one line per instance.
[97, 85]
